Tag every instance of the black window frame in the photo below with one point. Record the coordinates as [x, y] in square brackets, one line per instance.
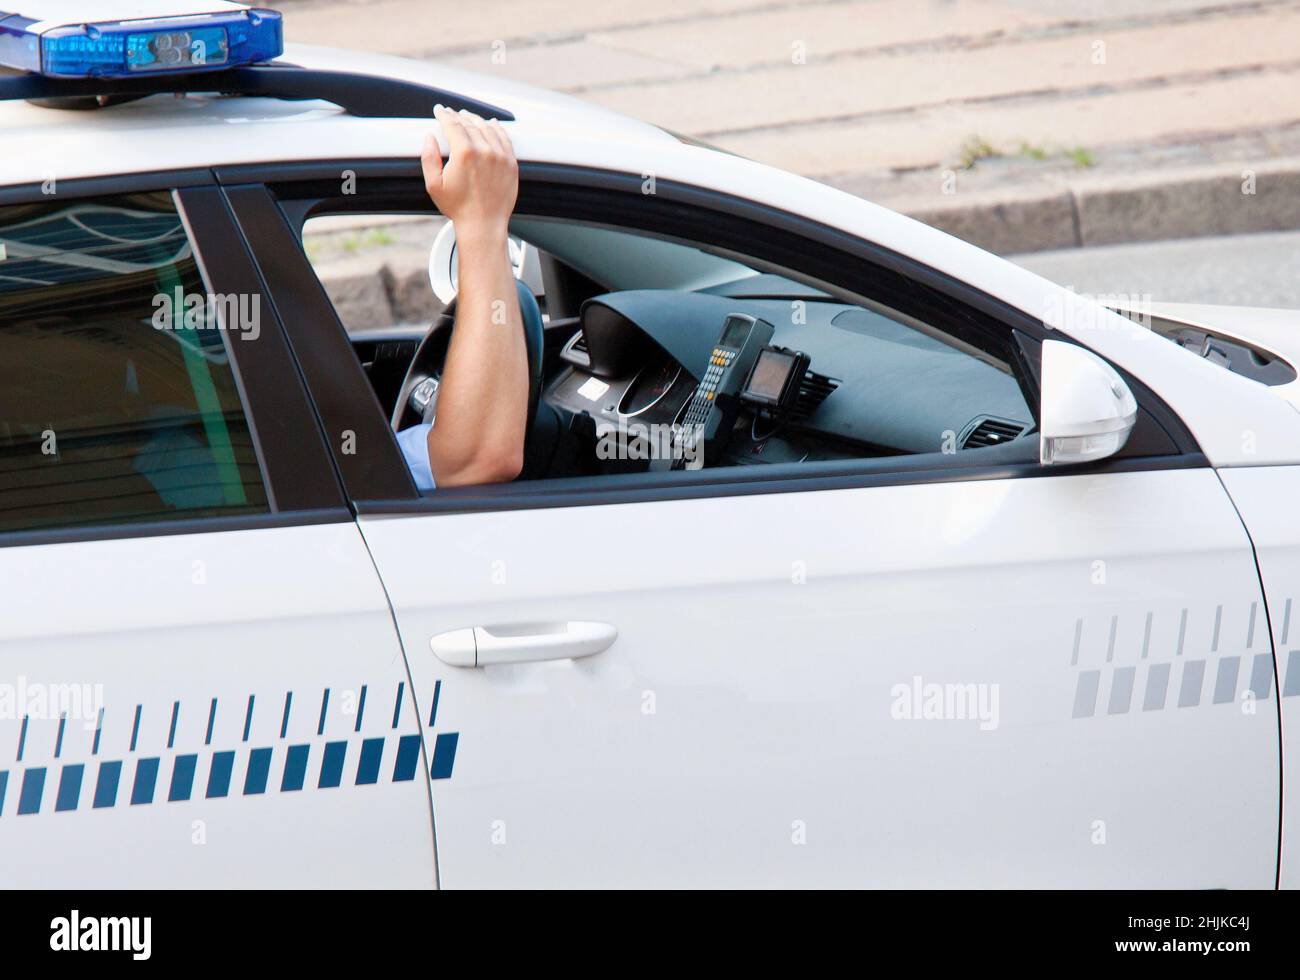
[302, 485]
[307, 189]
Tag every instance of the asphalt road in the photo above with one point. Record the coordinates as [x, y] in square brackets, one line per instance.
[1241, 270]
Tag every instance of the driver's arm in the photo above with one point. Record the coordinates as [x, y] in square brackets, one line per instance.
[478, 436]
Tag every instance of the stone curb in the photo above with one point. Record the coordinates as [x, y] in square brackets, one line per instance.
[1185, 203]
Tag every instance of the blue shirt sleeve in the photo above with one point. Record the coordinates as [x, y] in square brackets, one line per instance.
[414, 443]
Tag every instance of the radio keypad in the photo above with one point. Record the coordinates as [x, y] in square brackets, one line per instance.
[707, 391]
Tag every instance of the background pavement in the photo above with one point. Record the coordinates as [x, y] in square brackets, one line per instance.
[1244, 270]
[1018, 124]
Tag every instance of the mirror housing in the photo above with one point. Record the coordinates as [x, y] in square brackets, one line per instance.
[1087, 410]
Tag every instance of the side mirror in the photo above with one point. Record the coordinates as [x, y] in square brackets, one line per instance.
[1087, 410]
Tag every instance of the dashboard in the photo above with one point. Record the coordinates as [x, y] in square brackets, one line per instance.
[857, 383]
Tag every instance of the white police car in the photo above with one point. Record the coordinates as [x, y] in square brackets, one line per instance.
[971, 583]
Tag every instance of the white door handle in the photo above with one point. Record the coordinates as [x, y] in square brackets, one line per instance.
[522, 643]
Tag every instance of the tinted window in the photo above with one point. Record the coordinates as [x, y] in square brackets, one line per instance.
[112, 409]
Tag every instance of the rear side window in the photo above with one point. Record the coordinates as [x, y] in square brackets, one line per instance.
[118, 401]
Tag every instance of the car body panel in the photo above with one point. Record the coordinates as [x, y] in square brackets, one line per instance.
[1274, 330]
[743, 729]
[1268, 499]
[210, 655]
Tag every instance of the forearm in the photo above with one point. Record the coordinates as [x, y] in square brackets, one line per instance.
[478, 436]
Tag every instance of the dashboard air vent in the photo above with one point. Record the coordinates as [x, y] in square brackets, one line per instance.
[814, 390]
[992, 432]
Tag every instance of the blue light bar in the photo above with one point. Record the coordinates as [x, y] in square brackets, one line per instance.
[126, 48]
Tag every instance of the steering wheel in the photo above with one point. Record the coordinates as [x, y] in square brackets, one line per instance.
[417, 399]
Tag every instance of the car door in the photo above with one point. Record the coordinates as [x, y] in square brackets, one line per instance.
[967, 682]
[891, 671]
[200, 682]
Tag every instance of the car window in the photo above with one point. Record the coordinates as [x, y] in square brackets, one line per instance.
[118, 401]
[872, 370]
[375, 267]
[870, 379]
[375, 270]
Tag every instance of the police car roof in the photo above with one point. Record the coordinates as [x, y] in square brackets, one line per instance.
[166, 133]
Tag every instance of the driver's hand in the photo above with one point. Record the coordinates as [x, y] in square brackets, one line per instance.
[477, 186]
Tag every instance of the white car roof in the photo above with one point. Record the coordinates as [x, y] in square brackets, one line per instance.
[168, 133]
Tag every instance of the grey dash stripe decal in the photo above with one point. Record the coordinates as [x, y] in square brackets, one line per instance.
[1261, 676]
[1121, 691]
[1157, 687]
[1085, 693]
[1225, 684]
[1292, 683]
[1193, 679]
